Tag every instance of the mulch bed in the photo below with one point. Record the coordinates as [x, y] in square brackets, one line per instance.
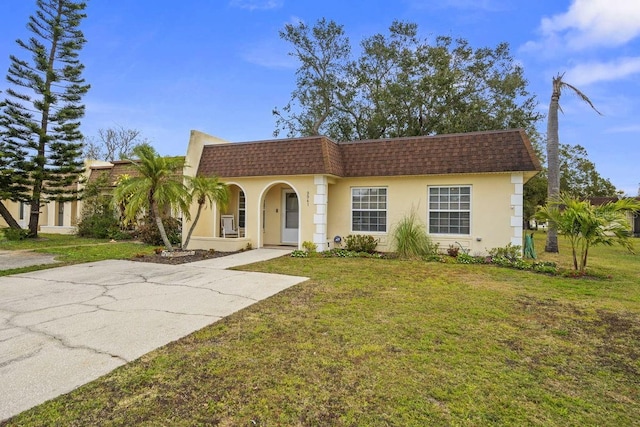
[199, 255]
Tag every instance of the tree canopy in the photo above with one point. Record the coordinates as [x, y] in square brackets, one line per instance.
[579, 177]
[40, 116]
[400, 85]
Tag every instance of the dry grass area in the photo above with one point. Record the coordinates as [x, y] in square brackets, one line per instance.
[391, 342]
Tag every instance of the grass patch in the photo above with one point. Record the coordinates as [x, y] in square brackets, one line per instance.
[70, 249]
[393, 342]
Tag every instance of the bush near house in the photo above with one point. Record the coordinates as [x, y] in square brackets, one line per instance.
[148, 232]
[360, 243]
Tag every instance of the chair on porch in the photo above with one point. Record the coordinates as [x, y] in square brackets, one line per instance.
[228, 226]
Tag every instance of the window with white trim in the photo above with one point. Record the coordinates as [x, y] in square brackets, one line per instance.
[450, 210]
[369, 209]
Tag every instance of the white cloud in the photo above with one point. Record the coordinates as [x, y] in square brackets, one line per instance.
[257, 4]
[588, 73]
[591, 23]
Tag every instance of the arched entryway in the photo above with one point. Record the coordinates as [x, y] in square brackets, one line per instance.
[236, 209]
[280, 216]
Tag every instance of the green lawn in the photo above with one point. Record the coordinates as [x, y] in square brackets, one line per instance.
[70, 249]
[392, 342]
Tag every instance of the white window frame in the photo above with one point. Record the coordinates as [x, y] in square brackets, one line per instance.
[360, 208]
[444, 206]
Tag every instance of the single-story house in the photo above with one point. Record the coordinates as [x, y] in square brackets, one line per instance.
[467, 189]
[55, 217]
[632, 217]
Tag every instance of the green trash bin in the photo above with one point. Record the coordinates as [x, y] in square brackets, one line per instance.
[529, 249]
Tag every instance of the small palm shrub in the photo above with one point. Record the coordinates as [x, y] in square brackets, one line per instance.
[410, 238]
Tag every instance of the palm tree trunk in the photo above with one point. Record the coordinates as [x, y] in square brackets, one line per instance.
[193, 226]
[553, 161]
[163, 233]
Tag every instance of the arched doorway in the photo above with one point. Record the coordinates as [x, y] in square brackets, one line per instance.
[280, 216]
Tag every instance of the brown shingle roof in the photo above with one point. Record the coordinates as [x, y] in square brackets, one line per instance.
[478, 152]
[296, 156]
[113, 172]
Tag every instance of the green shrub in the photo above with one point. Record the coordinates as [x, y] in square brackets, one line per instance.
[410, 238]
[15, 233]
[299, 254]
[98, 219]
[148, 232]
[100, 225]
[361, 243]
[345, 253]
[309, 247]
[464, 258]
[510, 252]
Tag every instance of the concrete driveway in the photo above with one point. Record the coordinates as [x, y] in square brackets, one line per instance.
[63, 327]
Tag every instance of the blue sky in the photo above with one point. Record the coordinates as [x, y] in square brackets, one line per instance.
[166, 67]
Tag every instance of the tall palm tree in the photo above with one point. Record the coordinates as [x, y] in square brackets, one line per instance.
[206, 189]
[156, 184]
[553, 144]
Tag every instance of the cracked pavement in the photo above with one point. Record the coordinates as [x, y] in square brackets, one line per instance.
[63, 327]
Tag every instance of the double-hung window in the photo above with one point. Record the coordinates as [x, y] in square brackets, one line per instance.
[369, 209]
[450, 210]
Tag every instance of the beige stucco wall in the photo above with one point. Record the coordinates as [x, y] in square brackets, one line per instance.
[14, 209]
[492, 208]
[496, 209]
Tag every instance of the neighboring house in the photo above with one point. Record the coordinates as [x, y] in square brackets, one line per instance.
[55, 217]
[114, 171]
[632, 217]
[466, 188]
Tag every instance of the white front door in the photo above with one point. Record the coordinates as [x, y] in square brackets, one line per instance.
[289, 216]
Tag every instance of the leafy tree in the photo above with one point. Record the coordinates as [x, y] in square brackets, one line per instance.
[40, 117]
[206, 189]
[157, 185]
[323, 52]
[400, 85]
[98, 217]
[579, 177]
[111, 144]
[586, 225]
[535, 195]
[553, 148]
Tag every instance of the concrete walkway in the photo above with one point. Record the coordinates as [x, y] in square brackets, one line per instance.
[63, 327]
